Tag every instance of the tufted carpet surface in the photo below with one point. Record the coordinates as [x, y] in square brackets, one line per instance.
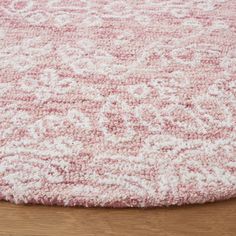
[117, 103]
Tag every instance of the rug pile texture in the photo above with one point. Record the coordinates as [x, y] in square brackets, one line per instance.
[117, 103]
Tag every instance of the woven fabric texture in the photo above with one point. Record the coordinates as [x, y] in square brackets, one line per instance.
[117, 103]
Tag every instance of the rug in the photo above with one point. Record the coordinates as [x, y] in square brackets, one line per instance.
[117, 103]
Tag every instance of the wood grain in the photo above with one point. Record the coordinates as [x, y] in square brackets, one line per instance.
[216, 219]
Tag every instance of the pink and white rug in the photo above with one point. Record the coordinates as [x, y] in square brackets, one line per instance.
[117, 103]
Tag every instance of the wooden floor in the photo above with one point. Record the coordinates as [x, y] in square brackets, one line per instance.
[216, 219]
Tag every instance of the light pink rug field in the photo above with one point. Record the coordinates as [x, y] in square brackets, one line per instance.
[117, 103]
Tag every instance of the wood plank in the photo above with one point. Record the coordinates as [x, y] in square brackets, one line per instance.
[216, 219]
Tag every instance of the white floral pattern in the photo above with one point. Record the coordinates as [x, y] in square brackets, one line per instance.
[117, 103]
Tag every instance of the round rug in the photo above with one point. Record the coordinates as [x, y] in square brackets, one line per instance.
[117, 103]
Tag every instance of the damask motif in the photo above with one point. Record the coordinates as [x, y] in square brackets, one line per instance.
[149, 117]
[62, 18]
[47, 85]
[228, 63]
[36, 17]
[115, 120]
[118, 9]
[87, 59]
[11, 119]
[25, 54]
[19, 6]
[117, 103]
[78, 119]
